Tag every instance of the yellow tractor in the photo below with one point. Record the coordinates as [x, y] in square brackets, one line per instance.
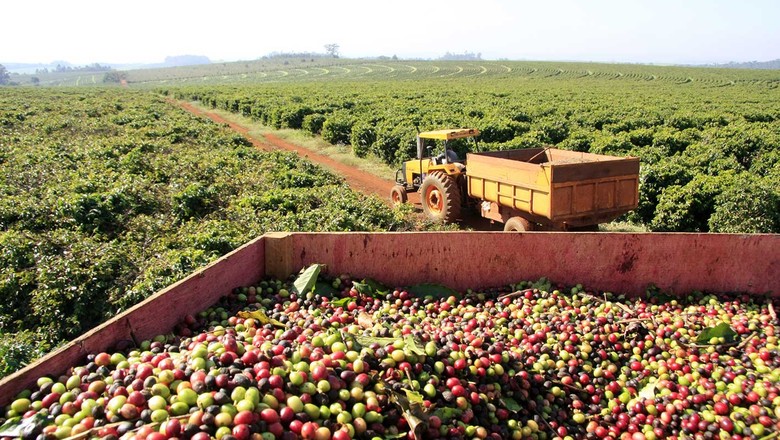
[440, 178]
[525, 189]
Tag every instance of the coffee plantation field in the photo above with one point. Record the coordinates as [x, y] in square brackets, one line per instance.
[707, 138]
[108, 195]
[291, 70]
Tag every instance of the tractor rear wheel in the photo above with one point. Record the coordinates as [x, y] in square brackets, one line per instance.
[398, 195]
[518, 224]
[440, 197]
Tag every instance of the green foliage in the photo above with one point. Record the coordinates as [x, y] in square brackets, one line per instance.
[215, 237]
[553, 130]
[389, 140]
[17, 278]
[312, 123]
[612, 144]
[654, 179]
[306, 279]
[673, 141]
[579, 140]
[293, 117]
[687, 207]
[19, 349]
[496, 130]
[105, 211]
[722, 330]
[362, 138]
[751, 207]
[767, 164]
[337, 129]
[407, 145]
[75, 276]
[196, 200]
[110, 195]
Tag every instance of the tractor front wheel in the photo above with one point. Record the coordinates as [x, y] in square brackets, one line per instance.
[398, 195]
[440, 197]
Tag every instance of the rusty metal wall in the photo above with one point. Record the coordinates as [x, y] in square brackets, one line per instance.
[619, 262]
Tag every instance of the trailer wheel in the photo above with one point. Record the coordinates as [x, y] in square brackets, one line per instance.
[398, 195]
[518, 224]
[440, 197]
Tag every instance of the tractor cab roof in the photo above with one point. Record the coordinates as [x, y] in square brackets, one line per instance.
[449, 133]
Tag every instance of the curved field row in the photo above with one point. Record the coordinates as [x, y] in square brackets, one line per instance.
[324, 69]
[356, 70]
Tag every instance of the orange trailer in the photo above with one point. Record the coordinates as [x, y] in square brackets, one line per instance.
[549, 188]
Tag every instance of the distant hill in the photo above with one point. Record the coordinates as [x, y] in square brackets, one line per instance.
[170, 61]
[774, 64]
[185, 60]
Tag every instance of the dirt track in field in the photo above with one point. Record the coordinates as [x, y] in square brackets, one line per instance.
[358, 180]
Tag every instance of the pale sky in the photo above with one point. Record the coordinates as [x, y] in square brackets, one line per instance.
[143, 31]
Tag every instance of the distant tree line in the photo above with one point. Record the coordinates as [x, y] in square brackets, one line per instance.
[5, 77]
[331, 51]
[94, 67]
[301, 55]
[773, 64]
[465, 56]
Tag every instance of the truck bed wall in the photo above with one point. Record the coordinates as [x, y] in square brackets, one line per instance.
[619, 262]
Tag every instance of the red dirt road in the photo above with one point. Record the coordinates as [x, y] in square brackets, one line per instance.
[359, 180]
